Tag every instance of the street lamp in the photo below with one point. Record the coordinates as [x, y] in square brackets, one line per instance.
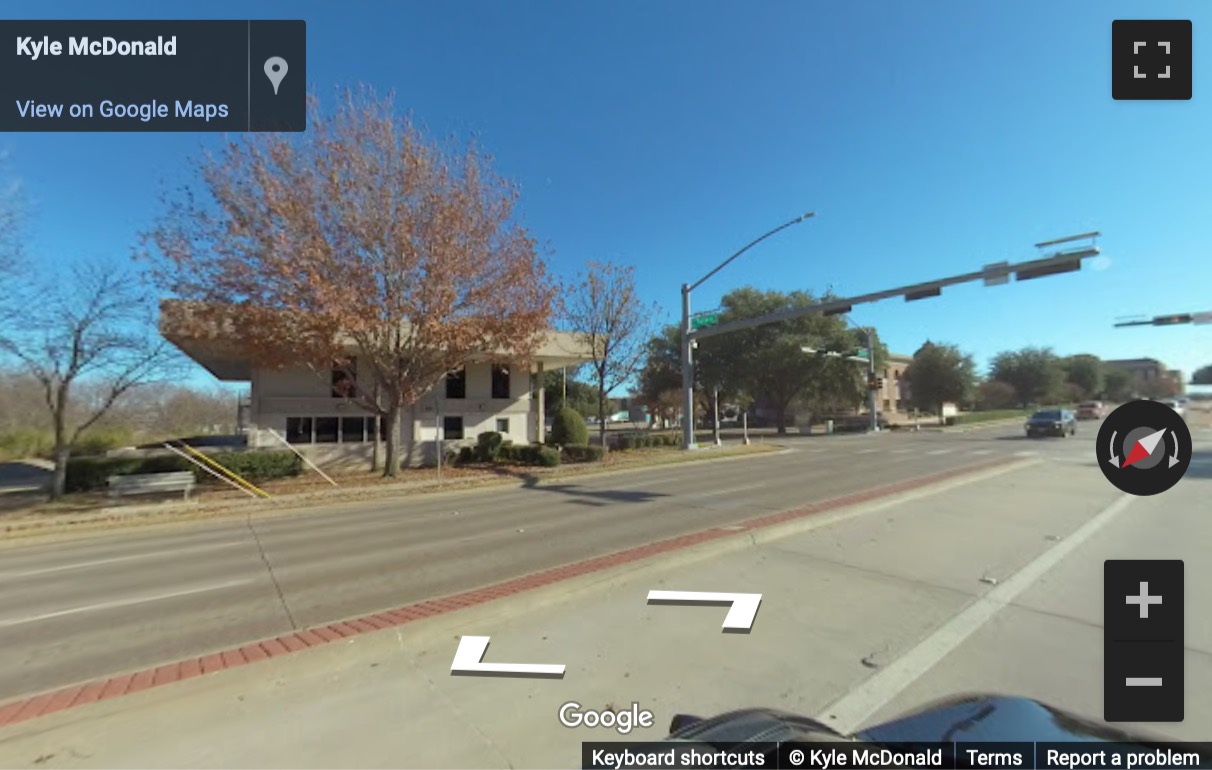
[687, 342]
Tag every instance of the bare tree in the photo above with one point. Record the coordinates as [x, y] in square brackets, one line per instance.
[90, 330]
[361, 241]
[605, 311]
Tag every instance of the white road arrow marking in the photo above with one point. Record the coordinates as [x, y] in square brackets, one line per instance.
[740, 615]
[470, 654]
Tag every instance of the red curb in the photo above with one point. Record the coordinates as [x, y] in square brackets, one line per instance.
[166, 674]
[90, 693]
[33, 707]
[141, 680]
[61, 700]
[253, 652]
[191, 668]
[211, 663]
[104, 689]
[232, 658]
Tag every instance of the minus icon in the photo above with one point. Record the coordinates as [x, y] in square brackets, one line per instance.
[1144, 681]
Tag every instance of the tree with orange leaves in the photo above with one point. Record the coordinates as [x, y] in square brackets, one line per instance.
[361, 240]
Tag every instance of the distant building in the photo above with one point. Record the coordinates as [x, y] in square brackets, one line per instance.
[894, 396]
[1150, 377]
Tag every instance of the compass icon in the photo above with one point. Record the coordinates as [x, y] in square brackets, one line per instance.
[1143, 447]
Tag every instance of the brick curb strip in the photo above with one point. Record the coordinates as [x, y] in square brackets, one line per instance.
[156, 676]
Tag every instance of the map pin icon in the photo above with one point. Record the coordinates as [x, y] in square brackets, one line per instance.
[275, 70]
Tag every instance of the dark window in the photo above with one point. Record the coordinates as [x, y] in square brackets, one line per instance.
[343, 378]
[326, 430]
[502, 425]
[456, 384]
[353, 430]
[452, 428]
[298, 430]
[500, 381]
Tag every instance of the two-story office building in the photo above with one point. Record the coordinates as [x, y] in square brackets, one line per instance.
[311, 409]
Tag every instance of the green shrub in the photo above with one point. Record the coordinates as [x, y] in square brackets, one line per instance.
[85, 474]
[465, 455]
[584, 453]
[568, 428]
[548, 457]
[488, 445]
[257, 465]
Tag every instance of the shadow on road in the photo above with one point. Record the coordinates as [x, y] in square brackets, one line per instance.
[581, 495]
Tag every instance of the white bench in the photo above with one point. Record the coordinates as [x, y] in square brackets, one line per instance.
[152, 483]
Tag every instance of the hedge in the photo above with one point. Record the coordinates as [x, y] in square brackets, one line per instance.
[90, 473]
[488, 446]
[646, 441]
[584, 453]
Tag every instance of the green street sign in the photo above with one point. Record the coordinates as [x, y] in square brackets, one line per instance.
[699, 321]
[862, 353]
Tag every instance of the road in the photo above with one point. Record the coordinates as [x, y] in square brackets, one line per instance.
[70, 611]
[877, 586]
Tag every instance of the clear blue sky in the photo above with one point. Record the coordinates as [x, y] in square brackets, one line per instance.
[931, 138]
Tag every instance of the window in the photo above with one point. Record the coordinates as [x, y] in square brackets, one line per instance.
[353, 429]
[452, 428]
[326, 430]
[456, 384]
[502, 425]
[343, 379]
[500, 381]
[298, 430]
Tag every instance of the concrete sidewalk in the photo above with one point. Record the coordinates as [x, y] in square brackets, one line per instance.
[846, 595]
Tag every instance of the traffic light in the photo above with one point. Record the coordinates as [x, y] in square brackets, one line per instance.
[873, 383]
[1170, 320]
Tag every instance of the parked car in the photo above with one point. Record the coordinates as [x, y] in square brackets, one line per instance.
[1176, 405]
[1091, 410]
[1051, 422]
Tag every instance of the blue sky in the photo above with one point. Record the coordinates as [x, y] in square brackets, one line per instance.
[930, 138]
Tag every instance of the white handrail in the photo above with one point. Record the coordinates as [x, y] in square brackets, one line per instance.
[211, 471]
[310, 464]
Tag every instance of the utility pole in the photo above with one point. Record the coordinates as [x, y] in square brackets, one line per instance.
[872, 391]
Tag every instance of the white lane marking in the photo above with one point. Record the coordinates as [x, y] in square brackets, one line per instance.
[866, 451]
[982, 451]
[901, 451]
[115, 560]
[1026, 453]
[940, 451]
[123, 603]
[848, 713]
[469, 657]
[741, 611]
[730, 490]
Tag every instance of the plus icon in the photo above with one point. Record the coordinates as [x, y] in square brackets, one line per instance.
[1144, 600]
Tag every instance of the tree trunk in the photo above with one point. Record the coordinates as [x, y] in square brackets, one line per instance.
[59, 480]
[391, 467]
[375, 451]
[62, 449]
[602, 411]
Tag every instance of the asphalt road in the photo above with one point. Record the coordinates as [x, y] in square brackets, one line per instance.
[989, 584]
[71, 611]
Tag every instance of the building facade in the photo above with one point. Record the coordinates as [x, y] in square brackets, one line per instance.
[312, 411]
[1150, 376]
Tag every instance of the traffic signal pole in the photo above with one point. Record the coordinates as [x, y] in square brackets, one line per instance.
[872, 391]
[1061, 261]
